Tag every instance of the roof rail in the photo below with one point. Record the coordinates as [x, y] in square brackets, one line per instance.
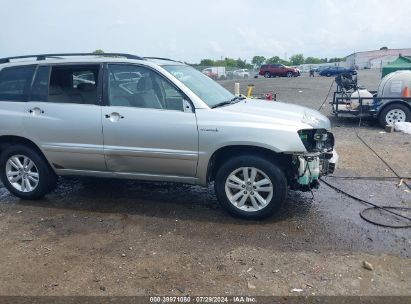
[160, 58]
[44, 56]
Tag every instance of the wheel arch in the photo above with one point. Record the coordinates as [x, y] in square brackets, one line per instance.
[9, 140]
[224, 153]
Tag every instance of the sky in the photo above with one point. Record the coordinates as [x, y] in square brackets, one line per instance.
[192, 30]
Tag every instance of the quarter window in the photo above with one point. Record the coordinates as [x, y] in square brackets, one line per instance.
[15, 83]
[140, 87]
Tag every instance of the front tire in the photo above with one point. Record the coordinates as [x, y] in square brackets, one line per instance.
[25, 173]
[290, 74]
[394, 113]
[250, 187]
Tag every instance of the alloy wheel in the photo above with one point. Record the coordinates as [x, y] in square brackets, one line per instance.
[22, 173]
[249, 189]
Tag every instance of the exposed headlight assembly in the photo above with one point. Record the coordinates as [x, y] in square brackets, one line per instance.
[317, 140]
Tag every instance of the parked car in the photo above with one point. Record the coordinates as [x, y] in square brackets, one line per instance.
[278, 70]
[336, 70]
[173, 124]
[241, 73]
[318, 69]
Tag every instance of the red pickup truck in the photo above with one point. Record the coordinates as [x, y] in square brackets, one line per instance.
[273, 70]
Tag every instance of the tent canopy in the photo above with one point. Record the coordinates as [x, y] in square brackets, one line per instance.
[401, 63]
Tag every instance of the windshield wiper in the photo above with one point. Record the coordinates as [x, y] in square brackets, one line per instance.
[228, 102]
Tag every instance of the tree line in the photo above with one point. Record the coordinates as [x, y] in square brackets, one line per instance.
[257, 61]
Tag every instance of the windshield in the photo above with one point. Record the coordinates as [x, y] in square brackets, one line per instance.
[204, 87]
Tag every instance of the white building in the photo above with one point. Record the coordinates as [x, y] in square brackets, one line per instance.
[375, 59]
[378, 63]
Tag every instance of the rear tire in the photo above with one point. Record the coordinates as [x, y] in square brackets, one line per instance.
[25, 172]
[267, 75]
[250, 187]
[394, 113]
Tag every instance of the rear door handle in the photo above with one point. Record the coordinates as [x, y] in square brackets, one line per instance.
[36, 111]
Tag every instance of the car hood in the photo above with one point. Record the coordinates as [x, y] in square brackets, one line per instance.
[279, 112]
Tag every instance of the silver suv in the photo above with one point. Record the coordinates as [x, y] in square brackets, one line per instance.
[124, 116]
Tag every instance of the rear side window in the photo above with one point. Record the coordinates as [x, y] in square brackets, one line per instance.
[74, 84]
[15, 83]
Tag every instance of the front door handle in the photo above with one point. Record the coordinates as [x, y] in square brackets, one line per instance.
[36, 111]
[114, 116]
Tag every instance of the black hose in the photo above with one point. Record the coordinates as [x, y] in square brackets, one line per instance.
[326, 97]
[370, 177]
[385, 208]
[376, 154]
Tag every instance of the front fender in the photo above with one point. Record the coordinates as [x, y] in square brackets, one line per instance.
[212, 138]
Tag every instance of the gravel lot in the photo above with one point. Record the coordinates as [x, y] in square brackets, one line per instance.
[111, 237]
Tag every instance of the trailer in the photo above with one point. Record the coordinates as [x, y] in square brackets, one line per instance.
[390, 104]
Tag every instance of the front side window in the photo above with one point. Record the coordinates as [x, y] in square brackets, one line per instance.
[74, 84]
[140, 87]
[15, 83]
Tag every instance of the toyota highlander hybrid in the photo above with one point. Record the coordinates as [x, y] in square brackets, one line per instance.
[153, 119]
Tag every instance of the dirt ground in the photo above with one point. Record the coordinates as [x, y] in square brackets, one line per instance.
[114, 237]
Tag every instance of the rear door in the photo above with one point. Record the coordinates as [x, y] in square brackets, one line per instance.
[14, 92]
[63, 116]
[150, 129]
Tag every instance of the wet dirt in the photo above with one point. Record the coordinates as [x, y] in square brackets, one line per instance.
[116, 237]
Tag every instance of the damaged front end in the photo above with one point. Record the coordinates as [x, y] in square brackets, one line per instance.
[320, 159]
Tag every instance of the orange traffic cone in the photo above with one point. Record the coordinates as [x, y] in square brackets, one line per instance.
[406, 92]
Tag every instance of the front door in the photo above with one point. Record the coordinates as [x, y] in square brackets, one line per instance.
[149, 126]
[63, 116]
